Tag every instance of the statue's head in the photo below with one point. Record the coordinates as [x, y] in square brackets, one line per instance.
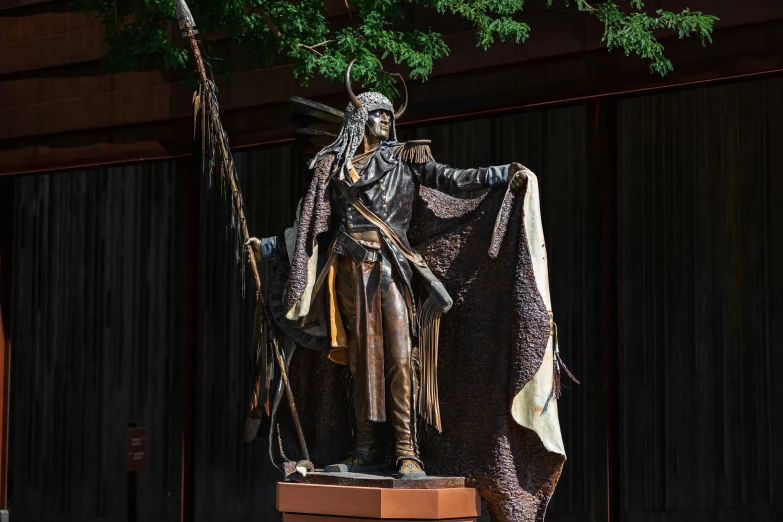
[374, 110]
[369, 112]
[378, 124]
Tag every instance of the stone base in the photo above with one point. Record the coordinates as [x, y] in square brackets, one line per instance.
[377, 480]
[313, 502]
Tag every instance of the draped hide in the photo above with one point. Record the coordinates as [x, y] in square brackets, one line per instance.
[495, 371]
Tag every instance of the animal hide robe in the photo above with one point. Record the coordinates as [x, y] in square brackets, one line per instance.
[495, 370]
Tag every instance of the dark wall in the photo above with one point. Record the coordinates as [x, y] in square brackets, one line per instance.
[95, 309]
[234, 480]
[700, 188]
[118, 283]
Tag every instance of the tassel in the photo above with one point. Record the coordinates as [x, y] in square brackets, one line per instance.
[262, 375]
[565, 369]
[415, 151]
[427, 359]
[558, 361]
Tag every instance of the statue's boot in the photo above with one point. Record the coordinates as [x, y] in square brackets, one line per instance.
[408, 468]
[397, 347]
[367, 457]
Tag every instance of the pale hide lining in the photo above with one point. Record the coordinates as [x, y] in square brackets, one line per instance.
[534, 407]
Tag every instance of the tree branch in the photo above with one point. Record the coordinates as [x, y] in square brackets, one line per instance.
[326, 42]
[309, 48]
[269, 23]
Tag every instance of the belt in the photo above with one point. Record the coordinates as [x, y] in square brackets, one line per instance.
[351, 247]
[370, 235]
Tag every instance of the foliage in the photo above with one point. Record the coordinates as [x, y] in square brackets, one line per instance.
[139, 30]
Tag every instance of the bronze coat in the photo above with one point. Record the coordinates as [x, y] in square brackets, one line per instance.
[499, 418]
[388, 187]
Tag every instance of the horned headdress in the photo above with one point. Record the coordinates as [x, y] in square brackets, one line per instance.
[353, 120]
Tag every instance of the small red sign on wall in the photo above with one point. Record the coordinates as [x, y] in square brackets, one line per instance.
[137, 449]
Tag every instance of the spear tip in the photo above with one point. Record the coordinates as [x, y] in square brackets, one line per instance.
[185, 19]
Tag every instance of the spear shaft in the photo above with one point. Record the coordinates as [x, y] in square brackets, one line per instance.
[228, 171]
[188, 26]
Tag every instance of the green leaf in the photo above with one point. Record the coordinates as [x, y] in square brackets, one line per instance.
[377, 33]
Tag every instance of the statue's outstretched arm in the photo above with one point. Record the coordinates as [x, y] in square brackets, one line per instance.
[451, 180]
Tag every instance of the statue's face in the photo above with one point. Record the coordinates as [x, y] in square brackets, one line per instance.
[379, 124]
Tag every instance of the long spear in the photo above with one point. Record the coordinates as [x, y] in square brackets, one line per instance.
[216, 156]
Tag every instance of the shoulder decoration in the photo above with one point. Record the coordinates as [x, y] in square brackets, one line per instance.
[414, 151]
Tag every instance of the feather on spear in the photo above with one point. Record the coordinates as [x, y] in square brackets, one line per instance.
[218, 164]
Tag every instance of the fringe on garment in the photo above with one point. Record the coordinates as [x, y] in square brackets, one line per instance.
[427, 359]
[262, 367]
[415, 151]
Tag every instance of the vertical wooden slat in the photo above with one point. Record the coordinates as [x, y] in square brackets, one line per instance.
[599, 287]
[773, 293]
[6, 278]
[92, 294]
[700, 302]
[180, 385]
[189, 343]
[234, 480]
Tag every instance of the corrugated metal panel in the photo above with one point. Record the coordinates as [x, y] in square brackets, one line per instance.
[701, 303]
[94, 265]
[234, 480]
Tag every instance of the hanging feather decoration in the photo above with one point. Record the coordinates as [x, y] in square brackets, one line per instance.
[218, 164]
[216, 160]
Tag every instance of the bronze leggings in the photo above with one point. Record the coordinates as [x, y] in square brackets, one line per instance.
[395, 359]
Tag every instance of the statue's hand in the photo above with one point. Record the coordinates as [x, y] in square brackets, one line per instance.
[255, 244]
[517, 176]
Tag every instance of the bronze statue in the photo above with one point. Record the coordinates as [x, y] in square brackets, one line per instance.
[356, 215]
[363, 277]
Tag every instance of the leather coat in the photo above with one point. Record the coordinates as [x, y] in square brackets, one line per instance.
[388, 185]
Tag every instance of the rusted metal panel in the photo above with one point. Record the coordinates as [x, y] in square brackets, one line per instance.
[14, 4]
[545, 70]
[701, 303]
[486, 92]
[31, 20]
[52, 51]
